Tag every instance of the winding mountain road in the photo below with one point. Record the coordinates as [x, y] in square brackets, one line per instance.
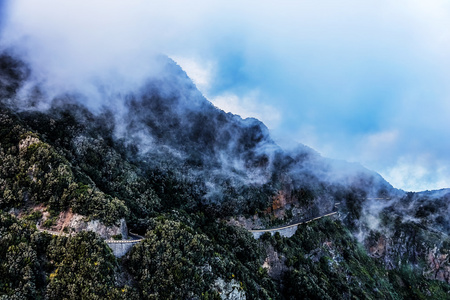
[132, 237]
[119, 247]
[289, 230]
[291, 225]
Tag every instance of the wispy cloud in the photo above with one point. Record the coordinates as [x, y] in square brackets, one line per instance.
[419, 173]
[248, 106]
[362, 81]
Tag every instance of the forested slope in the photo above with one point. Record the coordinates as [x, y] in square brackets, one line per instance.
[176, 169]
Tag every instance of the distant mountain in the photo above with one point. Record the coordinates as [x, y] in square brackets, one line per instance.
[435, 193]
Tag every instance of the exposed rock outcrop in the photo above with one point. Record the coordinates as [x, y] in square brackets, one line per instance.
[229, 290]
[410, 246]
[68, 222]
[78, 224]
[438, 264]
[274, 263]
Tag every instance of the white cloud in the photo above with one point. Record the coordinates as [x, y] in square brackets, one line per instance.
[199, 71]
[418, 173]
[377, 146]
[248, 106]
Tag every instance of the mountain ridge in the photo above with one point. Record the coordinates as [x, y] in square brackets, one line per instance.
[177, 169]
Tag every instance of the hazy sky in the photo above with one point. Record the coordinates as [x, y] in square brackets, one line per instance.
[364, 81]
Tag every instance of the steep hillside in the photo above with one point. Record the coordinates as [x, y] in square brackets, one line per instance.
[168, 126]
[164, 161]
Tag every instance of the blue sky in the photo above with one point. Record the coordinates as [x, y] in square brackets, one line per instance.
[364, 81]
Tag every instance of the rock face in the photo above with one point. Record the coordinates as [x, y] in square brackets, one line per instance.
[383, 249]
[296, 202]
[438, 264]
[274, 263]
[379, 248]
[282, 201]
[247, 223]
[68, 222]
[106, 232]
[229, 290]
[426, 251]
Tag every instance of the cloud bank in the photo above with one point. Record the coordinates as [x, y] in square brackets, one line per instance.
[360, 81]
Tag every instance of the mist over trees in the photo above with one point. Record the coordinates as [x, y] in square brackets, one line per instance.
[179, 171]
